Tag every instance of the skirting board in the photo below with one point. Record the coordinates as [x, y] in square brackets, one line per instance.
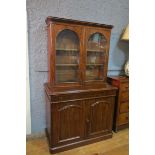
[36, 135]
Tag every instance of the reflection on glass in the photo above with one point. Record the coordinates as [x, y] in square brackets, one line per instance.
[96, 48]
[67, 73]
[67, 56]
[97, 42]
[93, 72]
[95, 57]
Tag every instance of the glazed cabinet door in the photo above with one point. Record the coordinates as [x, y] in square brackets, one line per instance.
[67, 49]
[99, 116]
[96, 57]
[68, 124]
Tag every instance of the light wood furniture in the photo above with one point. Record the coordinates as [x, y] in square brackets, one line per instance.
[121, 115]
[79, 101]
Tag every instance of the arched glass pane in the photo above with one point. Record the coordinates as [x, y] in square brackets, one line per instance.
[96, 48]
[67, 56]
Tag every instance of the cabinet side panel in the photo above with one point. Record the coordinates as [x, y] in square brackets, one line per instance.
[51, 54]
[48, 117]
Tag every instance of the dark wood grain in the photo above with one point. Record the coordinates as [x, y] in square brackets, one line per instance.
[79, 117]
[83, 31]
[99, 116]
[71, 21]
[81, 112]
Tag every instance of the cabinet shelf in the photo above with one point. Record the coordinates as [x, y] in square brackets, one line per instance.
[91, 50]
[67, 50]
[94, 64]
[66, 65]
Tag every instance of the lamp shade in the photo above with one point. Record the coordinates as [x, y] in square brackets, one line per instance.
[125, 35]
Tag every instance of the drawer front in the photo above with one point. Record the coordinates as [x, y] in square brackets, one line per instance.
[124, 107]
[125, 96]
[124, 87]
[83, 95]
[123, 119]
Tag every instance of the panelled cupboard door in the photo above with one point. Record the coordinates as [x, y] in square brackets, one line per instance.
[96, 56]
[69, 122]
[67, 50]
[99, 116]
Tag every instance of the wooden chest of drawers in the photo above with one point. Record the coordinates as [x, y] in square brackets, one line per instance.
[121, 115]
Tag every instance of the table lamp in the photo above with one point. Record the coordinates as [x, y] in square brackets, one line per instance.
[125, 37]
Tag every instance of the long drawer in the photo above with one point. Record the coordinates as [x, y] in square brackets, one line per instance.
[123, 118]
[124, 107]
[125, 87]
[125, 96]
[82, 95]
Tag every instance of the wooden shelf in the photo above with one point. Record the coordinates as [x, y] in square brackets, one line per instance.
[91, 50]
[66, 65]
[94, 64]
[68, 50]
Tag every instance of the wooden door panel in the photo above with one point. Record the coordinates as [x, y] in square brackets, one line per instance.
[100, 116]
[69, 126]
[58, 28]
[70, 117]
[99, 71]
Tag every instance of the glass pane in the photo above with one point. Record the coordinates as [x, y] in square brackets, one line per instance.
[94, 72]
[67, 73]
[67, 56]
[96, 49]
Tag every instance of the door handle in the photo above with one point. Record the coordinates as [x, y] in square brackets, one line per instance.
[87, 121]
[87, 126]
